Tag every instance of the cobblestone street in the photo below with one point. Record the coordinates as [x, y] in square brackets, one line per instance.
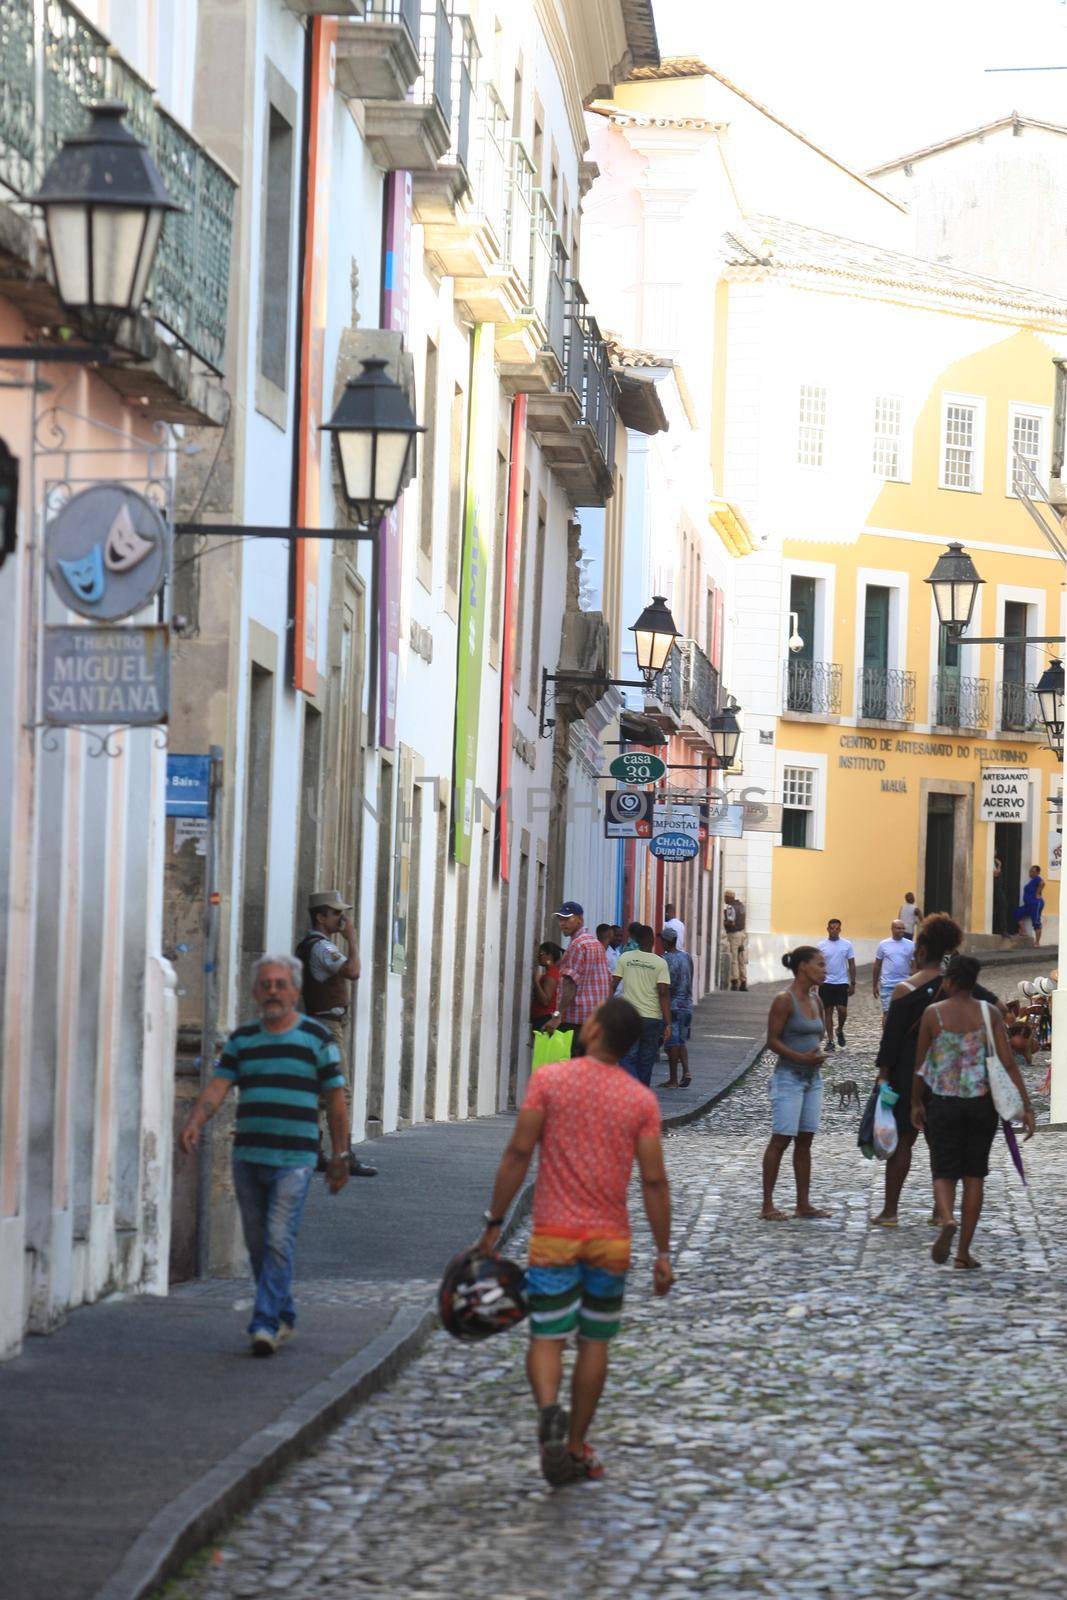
[816, 1410]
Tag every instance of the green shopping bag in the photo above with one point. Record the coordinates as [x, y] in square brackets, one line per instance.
[551, 1047]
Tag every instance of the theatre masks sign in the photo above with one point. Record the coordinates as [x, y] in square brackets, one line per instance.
[106, 551]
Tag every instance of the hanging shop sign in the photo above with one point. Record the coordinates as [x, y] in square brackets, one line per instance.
[1005, 795]
[727, 822]
[628, 814]
[106, 552]
[106, 675]
[637, 767]
[672, 817]
[188, 786]
[675, 846]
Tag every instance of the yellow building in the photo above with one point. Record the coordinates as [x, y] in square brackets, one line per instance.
[884, 426]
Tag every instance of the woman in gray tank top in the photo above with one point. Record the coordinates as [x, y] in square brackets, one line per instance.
[795, 1029]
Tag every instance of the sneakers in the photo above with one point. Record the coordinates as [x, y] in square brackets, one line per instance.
[841, 1038]
[286, 1331]
[553, 1428]
[264, 1343]
[829, 1047]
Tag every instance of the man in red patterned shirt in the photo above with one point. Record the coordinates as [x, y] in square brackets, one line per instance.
[584, 975]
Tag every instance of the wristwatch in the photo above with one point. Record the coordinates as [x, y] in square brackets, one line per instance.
[491, 1221]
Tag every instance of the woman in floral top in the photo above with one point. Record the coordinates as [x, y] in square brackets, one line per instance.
[950, 1097]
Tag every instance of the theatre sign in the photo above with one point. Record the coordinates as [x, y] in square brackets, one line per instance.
[106, 675]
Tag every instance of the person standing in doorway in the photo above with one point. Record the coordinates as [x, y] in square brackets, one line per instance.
[1001, 916]
[584, 979]
[733, 921]
[680, 967]
[671, 920]
[281, 1065]
[328, 979]
[794, 1033]
[644, 979]
[606, 934]
[910, 915]
[892, 963]
[840, 980]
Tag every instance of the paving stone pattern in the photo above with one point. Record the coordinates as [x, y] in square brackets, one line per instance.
[816, 1411]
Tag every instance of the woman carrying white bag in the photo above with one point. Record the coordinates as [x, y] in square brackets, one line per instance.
[966, 1075]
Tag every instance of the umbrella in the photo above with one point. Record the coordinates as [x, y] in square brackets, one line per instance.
[1013, 1148]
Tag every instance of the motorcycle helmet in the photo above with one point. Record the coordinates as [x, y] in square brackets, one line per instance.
[481, 1295]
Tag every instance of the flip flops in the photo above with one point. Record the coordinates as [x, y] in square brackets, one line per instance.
[939, 1250]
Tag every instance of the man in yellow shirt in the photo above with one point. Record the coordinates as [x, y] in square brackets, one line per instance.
[643, 978]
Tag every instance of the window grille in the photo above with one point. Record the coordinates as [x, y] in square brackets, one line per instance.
[887, 420]
[811, 435]
[959, 446]
[1025, 442]
[798, 788]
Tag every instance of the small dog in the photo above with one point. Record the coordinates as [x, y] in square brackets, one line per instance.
[846, 1090]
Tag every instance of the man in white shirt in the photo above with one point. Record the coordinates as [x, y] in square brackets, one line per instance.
[606, 934]
[840, 980]
[910, 915]
[892, 963]
[671, 921]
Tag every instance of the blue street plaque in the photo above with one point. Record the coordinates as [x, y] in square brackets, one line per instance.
[674, 847]
[188, 786]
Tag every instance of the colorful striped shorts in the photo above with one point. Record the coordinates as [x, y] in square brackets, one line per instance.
[576, 1285]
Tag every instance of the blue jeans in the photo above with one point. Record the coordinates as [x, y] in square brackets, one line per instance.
[641, 1058]
[271, 1200]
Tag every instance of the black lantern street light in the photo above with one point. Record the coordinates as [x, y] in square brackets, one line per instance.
[104, 205]
[375, 430]
[1050, 704]
[654, 635]
[955, 583]
[726, 736]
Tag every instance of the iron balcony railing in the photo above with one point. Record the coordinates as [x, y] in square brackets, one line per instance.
[405, 11]
[587, 368]
[433, 86]
[885, 694]
[701, 686]
[518, 249]
[1018, 708]
[957, 702]
[464, 66]
[669, 685]
[813, 687]
[489, 164]
[52, 64]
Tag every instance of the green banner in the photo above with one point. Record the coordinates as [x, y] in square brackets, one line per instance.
[473, 584]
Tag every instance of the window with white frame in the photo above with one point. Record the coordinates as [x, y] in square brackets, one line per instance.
[1026, 439]
[888, 442]
[798, 807]
[811, 430]
[962, 423]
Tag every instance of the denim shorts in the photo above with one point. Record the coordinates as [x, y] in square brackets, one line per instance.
[796, 1101]
[680, 1025]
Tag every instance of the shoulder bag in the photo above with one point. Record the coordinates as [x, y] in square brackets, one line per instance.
[1006, 1096]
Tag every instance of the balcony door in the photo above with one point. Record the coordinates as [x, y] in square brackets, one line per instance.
[875, 652]
[939, 887]
[1013, 680]
[948, 681]
[801, 663]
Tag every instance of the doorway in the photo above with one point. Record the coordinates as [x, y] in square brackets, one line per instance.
[1008, 845]
[940, 850]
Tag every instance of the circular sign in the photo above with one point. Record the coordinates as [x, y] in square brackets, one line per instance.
[635, 767]
[674, 847]
[106, 552]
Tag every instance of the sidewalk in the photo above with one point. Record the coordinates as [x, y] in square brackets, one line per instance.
[134, 1432]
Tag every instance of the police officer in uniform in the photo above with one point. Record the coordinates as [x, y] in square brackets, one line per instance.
[328, 976]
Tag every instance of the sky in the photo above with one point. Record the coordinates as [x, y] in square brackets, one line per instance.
[870, 82]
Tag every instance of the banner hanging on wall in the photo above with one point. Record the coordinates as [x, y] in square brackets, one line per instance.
[475, 572]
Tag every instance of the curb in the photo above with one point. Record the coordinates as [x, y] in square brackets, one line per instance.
[679, 1119]
[208, 1506]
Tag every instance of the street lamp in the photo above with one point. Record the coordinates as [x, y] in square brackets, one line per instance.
[104, 203]
[654, 635]
[1050, 703]
[726, 736]
[955, 582]
[376, 431]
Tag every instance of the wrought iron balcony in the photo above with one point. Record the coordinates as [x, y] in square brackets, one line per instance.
[379, 59]
[1018, 708]
[575, 421]
[412, 134]
[52, 63]
[885, 694]
[701, 686]
[665, 700]
[812, 688]
[957, 702]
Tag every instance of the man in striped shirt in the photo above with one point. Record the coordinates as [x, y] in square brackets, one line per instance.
[281, 1065]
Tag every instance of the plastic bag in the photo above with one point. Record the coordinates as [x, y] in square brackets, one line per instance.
[885, 1128]
[865, 1137]
[551, 1047]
